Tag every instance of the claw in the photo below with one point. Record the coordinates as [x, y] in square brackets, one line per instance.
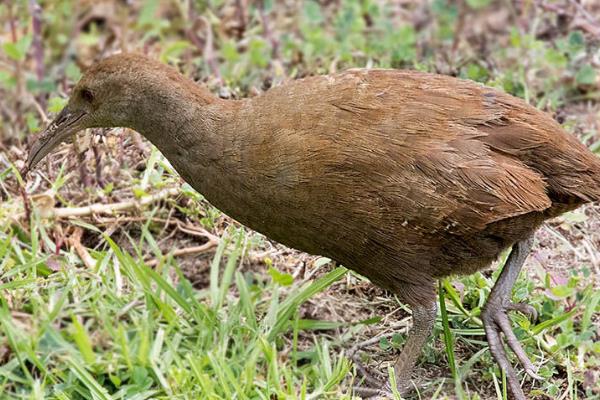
[367, 377]
[366, 392]
[373, 393]
[533, 374]
[379, 389]
[501, 320]
[386, 392]
[525, 309]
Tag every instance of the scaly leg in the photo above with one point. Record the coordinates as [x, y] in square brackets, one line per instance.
[495, 318]
[424, 313]
[423, 320]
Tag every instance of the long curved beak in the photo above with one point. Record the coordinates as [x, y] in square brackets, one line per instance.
[64, 125]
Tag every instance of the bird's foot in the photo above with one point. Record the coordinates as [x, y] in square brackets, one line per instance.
[495, 318]
[380, 388]
[496, 321]
[374, 385]
[403, 387]
[371, 393]
[367, 377]
[384, 392]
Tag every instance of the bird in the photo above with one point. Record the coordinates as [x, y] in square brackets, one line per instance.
[402, 176]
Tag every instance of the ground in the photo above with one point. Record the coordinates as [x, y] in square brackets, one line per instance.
[153, 293]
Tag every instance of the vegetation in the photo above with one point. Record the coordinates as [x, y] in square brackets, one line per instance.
[154, 294]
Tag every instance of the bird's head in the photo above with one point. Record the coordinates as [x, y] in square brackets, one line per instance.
[110, 94]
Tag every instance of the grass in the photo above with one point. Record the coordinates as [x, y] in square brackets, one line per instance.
[122, 330]
[84, 316]
[125, 331]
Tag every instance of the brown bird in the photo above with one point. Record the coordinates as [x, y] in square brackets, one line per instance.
[402, 176]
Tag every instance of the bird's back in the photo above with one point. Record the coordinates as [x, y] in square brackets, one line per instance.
[394, 165]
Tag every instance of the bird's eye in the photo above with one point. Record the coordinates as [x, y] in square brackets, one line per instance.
[87, 95]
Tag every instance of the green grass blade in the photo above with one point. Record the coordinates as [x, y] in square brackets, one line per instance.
[449, 341]
[289, 305]
[96, 390]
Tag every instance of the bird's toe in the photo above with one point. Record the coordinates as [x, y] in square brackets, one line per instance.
[525, 309]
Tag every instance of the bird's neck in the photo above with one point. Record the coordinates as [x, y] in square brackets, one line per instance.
[167, 112]
[197, 133]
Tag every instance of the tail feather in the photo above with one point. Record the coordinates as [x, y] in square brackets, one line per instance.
[571, 170]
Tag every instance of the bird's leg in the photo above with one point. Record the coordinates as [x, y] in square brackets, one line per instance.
[422, 301]
[496, 321]
[424, 314]
[423, 319]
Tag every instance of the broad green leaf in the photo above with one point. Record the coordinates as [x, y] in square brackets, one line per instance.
[586, 75]
[55, 104]
[280, 278]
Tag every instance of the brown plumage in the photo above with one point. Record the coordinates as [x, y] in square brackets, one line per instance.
[402, 176]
